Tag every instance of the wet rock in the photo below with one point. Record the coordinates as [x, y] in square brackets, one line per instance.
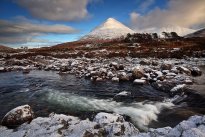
[166, 66]
[121, 67]
[98, 79]
[2, 69]
[122, 96]
[139, 81]
[184, 70]
[94, 73]
[138, 72]
[117, 66]
[163, 86]
[114, 65]
[196, 71]
[145, 62]
[123, 76]
[18, 116]
[110, 74]
[115, 79]
[155, 63]
[170, 75]
[64, 69]
[103, 71]
[188, 81]
[178, 88]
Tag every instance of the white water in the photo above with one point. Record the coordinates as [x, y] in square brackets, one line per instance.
[141, 113]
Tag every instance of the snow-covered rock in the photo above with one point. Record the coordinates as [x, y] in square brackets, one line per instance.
[122, 96]
[115, 79]
[115, 125]
[184, 70]
[104, 124]
[193, 127]
[178, 88]
[18, 115]
[139, 81]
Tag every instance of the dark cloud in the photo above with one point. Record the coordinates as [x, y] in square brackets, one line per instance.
[16, 31]
[63, 10]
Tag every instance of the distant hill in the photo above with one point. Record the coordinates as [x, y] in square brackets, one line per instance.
[198, 33]
[5, 48]
[181, 31]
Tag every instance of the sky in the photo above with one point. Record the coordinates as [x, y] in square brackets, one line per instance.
[37, 23]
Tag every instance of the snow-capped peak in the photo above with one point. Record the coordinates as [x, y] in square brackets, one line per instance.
[110, 29]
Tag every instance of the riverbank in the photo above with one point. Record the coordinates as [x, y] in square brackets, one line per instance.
[103, 124]
[144, 90]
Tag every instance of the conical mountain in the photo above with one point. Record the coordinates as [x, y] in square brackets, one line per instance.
[110, 29]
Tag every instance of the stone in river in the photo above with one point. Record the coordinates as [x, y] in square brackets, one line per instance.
[18, 116]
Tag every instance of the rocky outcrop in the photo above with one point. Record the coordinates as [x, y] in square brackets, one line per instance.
[193, 127]
[18, 116]
[104, 124]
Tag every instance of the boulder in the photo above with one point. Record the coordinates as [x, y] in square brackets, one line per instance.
[138, 72]
[115, 79]
[155, 63]
[121, 67]
[166, 66]
[115, 125]
[123, 76]
[2, 69]
[117, 66]
[145, 62]
[184, 70]
[163, 86]
[99, 79]
[18, 116]
[178, 88]
[110, 74]
[196, 71]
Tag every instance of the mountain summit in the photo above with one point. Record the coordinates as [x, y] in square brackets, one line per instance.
[110, 29]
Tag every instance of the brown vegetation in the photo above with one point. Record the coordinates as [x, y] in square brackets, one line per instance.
[151, 47]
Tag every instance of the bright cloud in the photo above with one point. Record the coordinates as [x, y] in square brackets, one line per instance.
[184, 13]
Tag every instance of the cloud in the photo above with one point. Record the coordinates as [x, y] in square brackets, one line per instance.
[146, 4]
[61, 10]
[21, 31]
[184, 13]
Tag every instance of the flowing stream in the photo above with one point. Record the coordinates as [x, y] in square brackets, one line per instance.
[46, 92]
